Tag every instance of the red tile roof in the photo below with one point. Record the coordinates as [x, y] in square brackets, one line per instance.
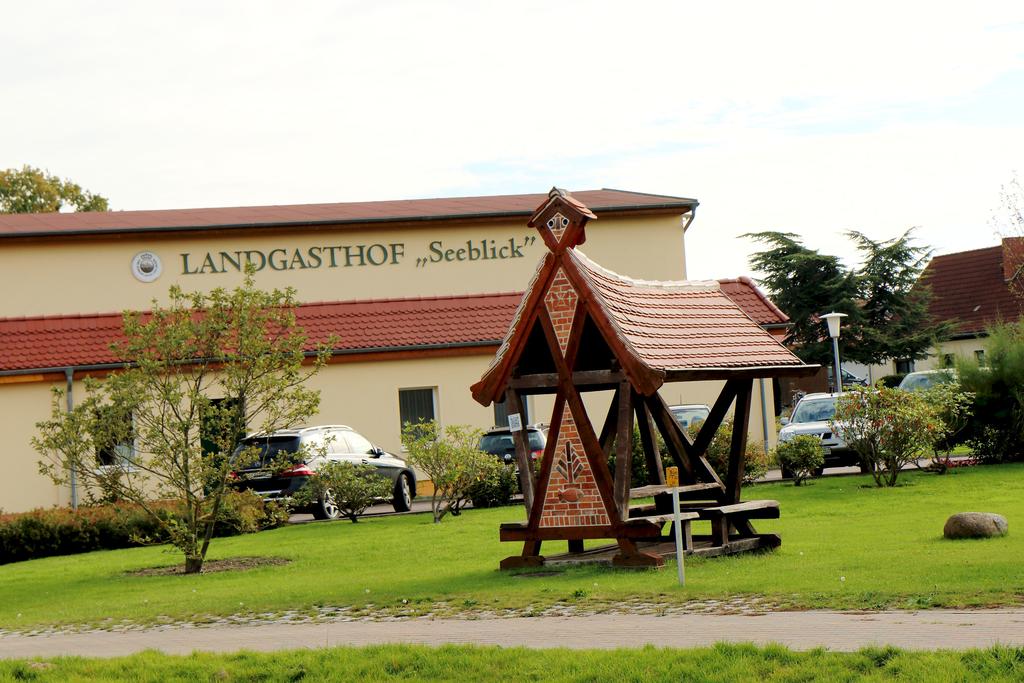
[28, 344]
[753, 301]
[683, 325]
[969, 289]
[177, 220]
[32, 344]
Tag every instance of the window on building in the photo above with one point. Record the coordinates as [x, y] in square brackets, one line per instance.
[417, 405]
[979, 356]
[904, 367]
[501, 413]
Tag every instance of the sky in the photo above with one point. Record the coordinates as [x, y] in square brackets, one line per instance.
[808, 117]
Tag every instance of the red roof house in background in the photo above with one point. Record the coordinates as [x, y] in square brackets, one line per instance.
[976, 288]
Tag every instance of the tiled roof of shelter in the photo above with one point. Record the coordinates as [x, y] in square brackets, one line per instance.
[969, 288]
[753, 301]
[395, 211]
[683, 325]
[48, 342]
[395, 324]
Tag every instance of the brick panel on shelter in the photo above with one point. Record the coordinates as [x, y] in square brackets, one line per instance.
[572, 497]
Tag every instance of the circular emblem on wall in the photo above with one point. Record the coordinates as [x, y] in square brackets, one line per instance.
[146, 266]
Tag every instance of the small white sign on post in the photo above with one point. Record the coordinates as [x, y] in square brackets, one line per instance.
[515, 422]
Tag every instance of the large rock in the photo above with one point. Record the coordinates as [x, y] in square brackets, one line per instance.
[975, 525]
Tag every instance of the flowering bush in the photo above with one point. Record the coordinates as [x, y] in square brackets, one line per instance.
[888, 428]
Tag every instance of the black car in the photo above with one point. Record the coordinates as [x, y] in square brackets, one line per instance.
[287, 458]
[499, 442]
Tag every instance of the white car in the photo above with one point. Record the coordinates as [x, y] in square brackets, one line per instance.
[926, 379]
[812, 415]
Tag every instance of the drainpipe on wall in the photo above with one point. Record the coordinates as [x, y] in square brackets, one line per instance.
[69, 375]
[764, 416]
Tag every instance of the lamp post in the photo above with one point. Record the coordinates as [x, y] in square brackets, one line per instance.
[833, 331]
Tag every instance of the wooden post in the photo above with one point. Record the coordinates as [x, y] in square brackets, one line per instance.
[623, 450]
[652, 454]
[527, 480]
[738, 449]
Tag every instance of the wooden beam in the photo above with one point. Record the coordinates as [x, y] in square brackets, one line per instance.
[702, 374]
[715, 418]
[738, 448]
[652, 455]
[527, 479]
[548, 381]
[697, 467]
[623, 450]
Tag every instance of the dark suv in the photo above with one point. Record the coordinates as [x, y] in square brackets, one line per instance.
[499, 442]
[287, 458]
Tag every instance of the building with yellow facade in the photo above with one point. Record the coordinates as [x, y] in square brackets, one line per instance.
[419, 294]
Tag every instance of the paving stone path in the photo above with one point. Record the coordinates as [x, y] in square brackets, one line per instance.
[842, 631]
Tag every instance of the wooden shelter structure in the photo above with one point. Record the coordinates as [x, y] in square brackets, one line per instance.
[580, 327]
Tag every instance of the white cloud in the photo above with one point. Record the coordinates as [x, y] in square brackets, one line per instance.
[809, 116]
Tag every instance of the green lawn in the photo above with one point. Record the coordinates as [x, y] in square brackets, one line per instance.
[845, 545]
[465, 663]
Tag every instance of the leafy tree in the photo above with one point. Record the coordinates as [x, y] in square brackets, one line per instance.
[451, 458]
[30, 190]
[805, 283]
[242, 346]
[886, 305]
[894, 321]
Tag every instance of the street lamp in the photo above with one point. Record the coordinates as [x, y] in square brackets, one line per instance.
[833, 331]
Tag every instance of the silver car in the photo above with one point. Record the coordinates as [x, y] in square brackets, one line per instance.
[812, 415]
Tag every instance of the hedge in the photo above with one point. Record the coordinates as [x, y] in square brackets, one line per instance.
[63, 531]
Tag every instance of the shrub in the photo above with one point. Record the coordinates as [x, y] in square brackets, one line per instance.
[495, 486]
[450, 457]
[996, 432]
[353, 487]
[63, 531]
[888, 428]
[801, 456]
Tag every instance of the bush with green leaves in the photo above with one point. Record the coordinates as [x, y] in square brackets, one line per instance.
[801, 456]
[350, 487]
[63, 531]
[888, 428]
[755, 460]
[495, 486]
[451, 459]
[996, 431]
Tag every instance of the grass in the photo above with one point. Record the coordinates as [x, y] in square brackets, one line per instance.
[846, 545]
[467, 663]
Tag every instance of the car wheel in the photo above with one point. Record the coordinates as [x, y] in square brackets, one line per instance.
[326, 507]
[865, 467]
[818, 471]
[402, 500]
[787, 473]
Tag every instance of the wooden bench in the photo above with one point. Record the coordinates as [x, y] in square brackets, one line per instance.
[739, 514]
[684, 491]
